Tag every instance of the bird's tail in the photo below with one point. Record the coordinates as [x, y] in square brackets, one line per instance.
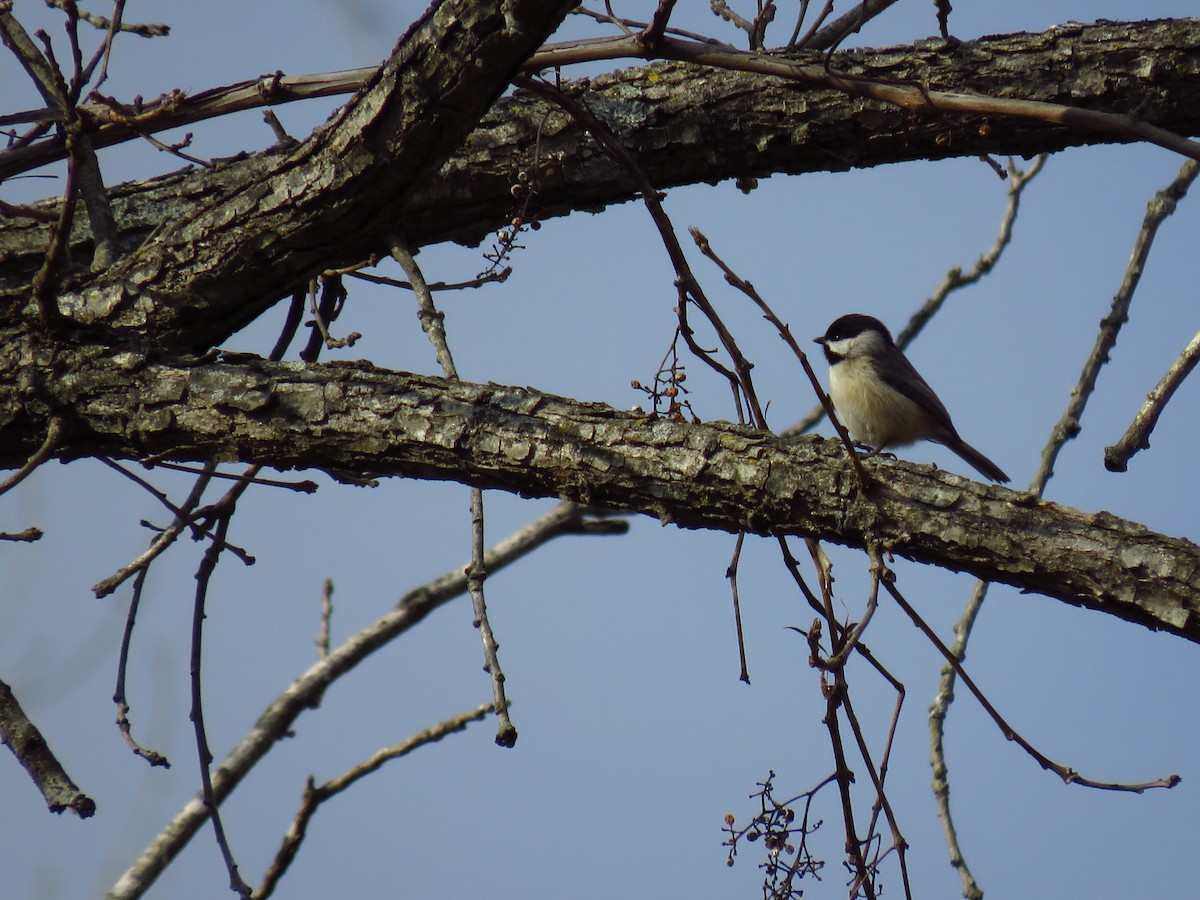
[978, 461]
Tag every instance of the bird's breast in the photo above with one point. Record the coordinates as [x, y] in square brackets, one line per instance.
[875, 413]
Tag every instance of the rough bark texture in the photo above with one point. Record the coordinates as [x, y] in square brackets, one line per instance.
[688, 125]
[203, 253]
[215, 261]
[368, 420]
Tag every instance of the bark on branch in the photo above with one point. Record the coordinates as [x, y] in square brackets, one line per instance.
[371, 420]
[685, 124]
[307, 208]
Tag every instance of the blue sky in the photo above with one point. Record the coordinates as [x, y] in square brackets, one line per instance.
[636, 736]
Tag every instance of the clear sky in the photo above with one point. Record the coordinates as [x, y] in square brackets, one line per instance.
[636, 737]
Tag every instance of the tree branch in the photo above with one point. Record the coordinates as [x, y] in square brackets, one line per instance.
[686, 124]
[375, 421]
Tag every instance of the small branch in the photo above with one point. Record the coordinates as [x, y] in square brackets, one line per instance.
[203, 576]
[314, 796]
[305, 692]
[1068, 426]
[54, 433]
[864, 480]
[432, 319]
[25, 741]
[731, 573]
[653, 32]
[300, 487]
[28, 535]
[1068, 775]
[119, 697]
[687, 284]
[1137, 436]
[938, 710]
[333, 298]
[499, 276]
[845, 25]
[326, 619]
[433, 325]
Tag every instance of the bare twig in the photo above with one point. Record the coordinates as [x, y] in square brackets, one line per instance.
[731, 573]
[314, 795]
[22, 737]
[432, 321]
[305, 692]
[1065, 429]
[54, 433]
[1068, 426]
[119, 696]
[301, 487]
[28, 535]
[845, 25]
[785, 333]
[1068, 775]
[147, 30]
[1137, 436]
[326, 619]
[203, 576]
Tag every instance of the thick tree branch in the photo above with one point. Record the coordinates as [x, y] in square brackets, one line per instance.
[684, 123]
[369, 420]
[313, 203]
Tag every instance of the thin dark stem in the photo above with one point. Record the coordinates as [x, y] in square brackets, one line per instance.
[54, 433]
[203, 576]
[1068, 775]
[432, 321]
[119, 696]
[731, 574]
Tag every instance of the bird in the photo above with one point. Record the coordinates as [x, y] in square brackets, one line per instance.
[882, 399]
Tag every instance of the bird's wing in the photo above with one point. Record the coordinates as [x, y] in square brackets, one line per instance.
[907, 381]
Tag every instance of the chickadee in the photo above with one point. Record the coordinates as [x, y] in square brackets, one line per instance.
[881, 398]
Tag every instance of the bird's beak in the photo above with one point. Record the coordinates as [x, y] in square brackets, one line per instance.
[819, 340]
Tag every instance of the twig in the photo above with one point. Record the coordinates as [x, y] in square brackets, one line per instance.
[1137, 436]
[305, 692]
[300, 487]
[938, 710]
[1068, 426]
[29, 534]
[1068, 775]
[315, 795]
[658, 23]
[731, 573]
[432, 321]
[291, 324]
[119, 697]
[333, 298]
[688, 285]
[1065, 429]
[478, 282]
[326, 619]
[54, 433]
[799, 43]
[844, 25]
[22, 737]
[203, 575]
[864, 480]
[186, 516]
